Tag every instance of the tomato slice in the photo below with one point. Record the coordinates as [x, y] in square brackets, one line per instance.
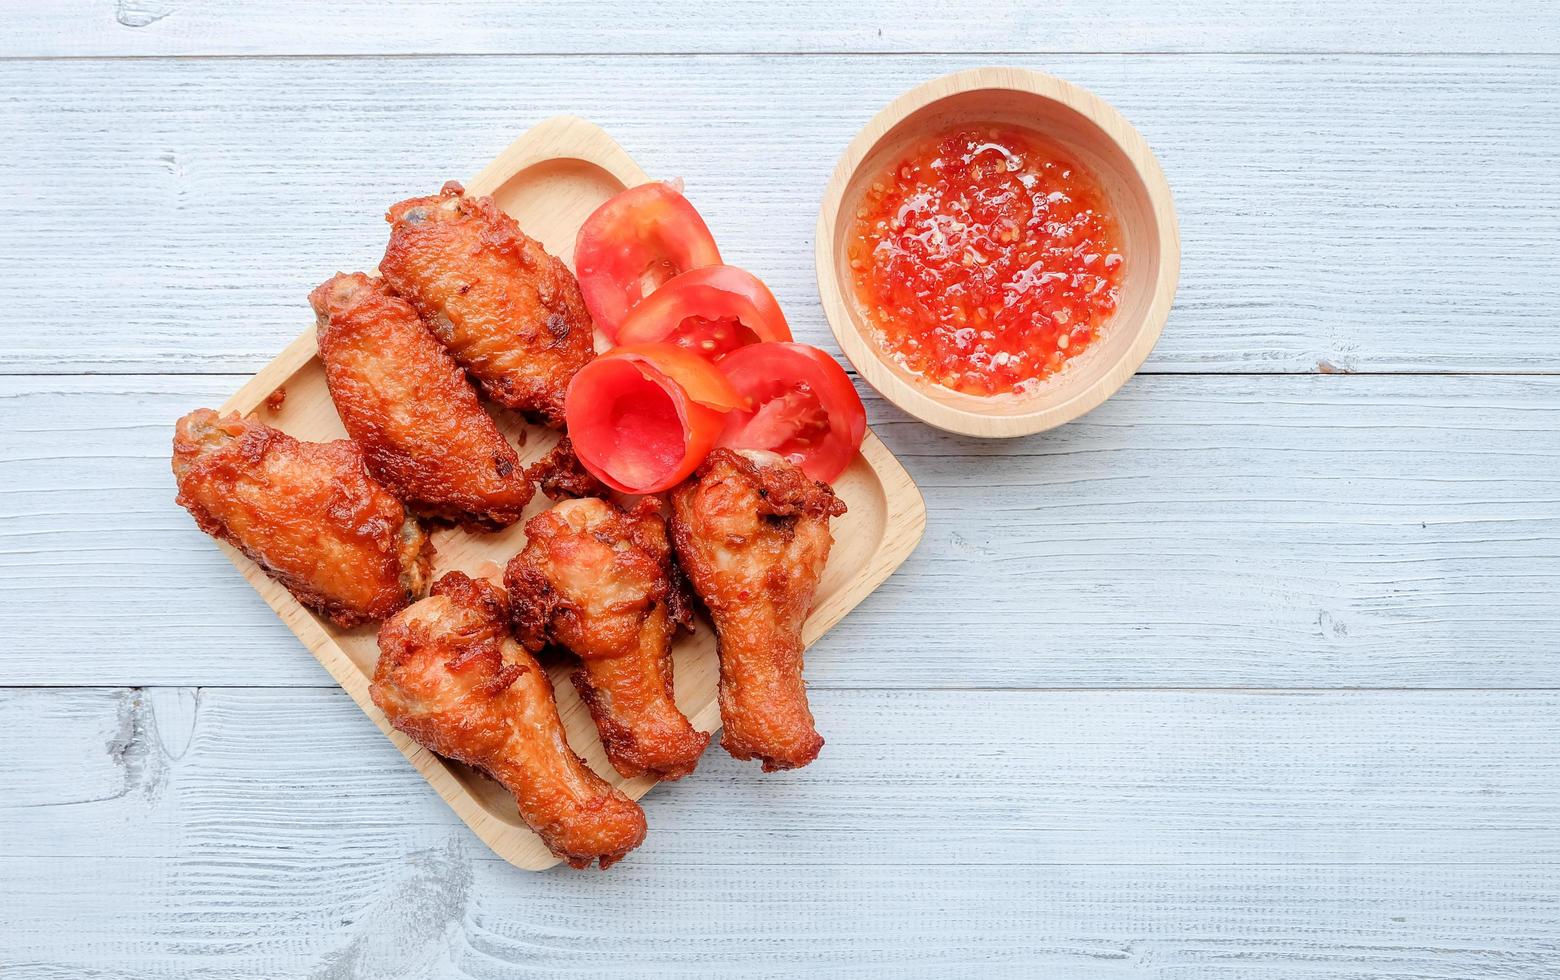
[632, 244]
[642, 418]
[711, 311]
[801, 405]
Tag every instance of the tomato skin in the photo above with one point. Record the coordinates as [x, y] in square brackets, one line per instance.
[714, 296]
[802, 406]
[694, 374]
[632, 244]
[643, 418]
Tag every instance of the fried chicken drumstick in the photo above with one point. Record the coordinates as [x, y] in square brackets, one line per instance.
[450, 676]
[752, 532]
[306, 512]
[405, 401]
[601, 583]
[510, 313]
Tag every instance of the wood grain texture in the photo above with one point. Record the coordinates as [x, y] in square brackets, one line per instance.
[1245, 531]
[1146, 835]
[435, 912]
[1337, 214]
[76, 28]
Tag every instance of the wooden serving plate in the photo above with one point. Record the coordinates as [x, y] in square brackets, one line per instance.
[550, 179]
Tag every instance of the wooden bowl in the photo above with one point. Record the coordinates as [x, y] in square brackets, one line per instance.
[1081, 124]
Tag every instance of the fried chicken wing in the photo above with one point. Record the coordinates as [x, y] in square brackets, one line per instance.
[450, 676]
[510, 313]
[405, 401]
[601, 583]
[752, 532]
[306, 512]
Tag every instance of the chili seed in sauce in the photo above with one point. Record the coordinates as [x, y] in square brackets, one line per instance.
[985, 259]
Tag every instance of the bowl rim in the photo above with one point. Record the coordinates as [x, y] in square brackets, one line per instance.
[870, 362]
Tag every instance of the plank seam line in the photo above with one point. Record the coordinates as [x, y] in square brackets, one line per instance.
[1159, 373]
[1268, 690]
[368, 856]
[832, 53]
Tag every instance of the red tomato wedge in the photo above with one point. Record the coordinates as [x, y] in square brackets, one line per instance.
[642, 418]
[801, 405]
[710, 311]
[632, 244]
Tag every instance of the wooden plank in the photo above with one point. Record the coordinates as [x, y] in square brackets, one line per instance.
[1349, 213]
[1049, 777]
[75, 28]
[435, 912]
[1227, 531]
[1081, 834]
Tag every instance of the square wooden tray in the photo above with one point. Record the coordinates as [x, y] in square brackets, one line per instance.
[550, 179]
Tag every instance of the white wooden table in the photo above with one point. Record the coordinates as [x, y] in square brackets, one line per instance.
[1253, 672]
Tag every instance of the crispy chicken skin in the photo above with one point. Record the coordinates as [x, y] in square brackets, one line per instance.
[601, 583]
[560, 474]
[405, 401]
[510, 313]
[450, 676]
[752, 532]
[306, 512]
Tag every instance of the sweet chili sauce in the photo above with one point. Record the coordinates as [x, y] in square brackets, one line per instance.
[985, 258]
